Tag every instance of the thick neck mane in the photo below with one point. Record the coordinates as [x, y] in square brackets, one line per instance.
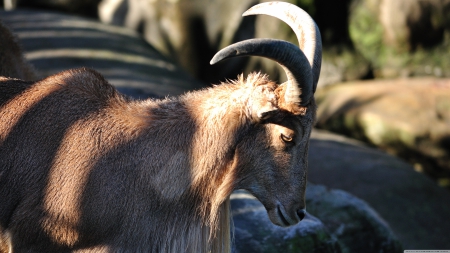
[219, 118]
[222, 118]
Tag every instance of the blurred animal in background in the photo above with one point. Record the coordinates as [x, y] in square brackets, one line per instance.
[12, 62]
[85, 169]
[9, 4]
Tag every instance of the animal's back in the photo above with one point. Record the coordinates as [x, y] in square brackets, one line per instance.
[73, 153]
[61, 97]
[37, 163]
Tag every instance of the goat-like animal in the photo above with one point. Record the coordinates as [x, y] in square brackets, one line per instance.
[84, 169]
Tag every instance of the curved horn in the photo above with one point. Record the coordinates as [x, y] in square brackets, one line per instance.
[304, 27]
[309, 40]
[288, 55]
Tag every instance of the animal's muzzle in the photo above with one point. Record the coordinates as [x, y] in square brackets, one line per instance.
[301, 213]
[284, 220]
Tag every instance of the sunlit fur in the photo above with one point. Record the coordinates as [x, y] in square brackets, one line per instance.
[5, 243]
[83, 168]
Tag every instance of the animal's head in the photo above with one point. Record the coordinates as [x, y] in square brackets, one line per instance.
[272, 159]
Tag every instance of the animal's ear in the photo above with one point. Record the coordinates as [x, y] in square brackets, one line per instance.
[266, 112]
[293, 108]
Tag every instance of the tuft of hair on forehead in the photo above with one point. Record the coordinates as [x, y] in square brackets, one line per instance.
[254, 79]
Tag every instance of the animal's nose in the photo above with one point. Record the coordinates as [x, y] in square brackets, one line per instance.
[301, 214]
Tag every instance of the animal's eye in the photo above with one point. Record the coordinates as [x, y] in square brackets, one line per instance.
[286, 138]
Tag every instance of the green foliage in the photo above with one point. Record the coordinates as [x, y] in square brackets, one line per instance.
[307, 5]
[366, 32]
[367, 35]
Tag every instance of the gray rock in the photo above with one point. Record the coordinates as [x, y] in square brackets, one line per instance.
[336, 222]
[415, 208]
[356, 225]
[408, 117]
[254, 232]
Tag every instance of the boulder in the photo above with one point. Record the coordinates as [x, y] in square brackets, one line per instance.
[407, 117]
[254, 232]
[54, 42]
[336, 222]
[415, 208]
[356, 225]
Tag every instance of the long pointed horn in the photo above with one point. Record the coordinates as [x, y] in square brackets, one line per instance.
[288, 55]
[302, 76]
[304, 27]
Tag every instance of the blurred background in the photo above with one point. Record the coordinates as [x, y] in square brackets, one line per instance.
[384, 86]
[362, 39]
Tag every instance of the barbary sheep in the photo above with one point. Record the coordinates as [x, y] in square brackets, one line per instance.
[85, 169]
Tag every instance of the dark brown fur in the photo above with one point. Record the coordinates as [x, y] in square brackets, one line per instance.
[84, 169]
[12, 62]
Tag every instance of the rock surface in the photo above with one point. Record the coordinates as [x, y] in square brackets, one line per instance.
[407, 117]
[337, 222]
[356, 226]
[254, 232]
[415, 208]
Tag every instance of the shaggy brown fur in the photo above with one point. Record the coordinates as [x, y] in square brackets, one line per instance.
[5, 244]
[84, 169]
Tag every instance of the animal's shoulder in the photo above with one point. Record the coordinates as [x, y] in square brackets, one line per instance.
[83, 82]
[10, 87]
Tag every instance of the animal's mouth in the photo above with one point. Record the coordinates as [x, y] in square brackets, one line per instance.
[280, 217]
[283, 220]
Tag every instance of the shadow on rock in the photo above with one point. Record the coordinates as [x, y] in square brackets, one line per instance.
[412, 204]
